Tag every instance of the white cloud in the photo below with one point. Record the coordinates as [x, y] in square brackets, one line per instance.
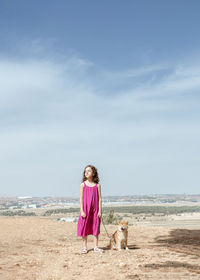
[55, 119]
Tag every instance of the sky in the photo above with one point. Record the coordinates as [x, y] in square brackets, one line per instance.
[115, 84]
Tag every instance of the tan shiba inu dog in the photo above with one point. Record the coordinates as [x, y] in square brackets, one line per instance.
[120, 237]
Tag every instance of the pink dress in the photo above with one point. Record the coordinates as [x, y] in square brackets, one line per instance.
[91, 223]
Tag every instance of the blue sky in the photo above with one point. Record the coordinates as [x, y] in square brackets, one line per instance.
[109, 83]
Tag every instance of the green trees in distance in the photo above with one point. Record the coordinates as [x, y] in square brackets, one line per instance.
[17, 213]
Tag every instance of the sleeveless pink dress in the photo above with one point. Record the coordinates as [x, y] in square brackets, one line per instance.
[91, 223]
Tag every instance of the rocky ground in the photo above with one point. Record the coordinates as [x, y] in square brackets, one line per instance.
[33, 248]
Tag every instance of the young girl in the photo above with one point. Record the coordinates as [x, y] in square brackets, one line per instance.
[90, 208]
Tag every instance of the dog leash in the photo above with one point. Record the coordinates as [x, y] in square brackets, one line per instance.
[110, 237]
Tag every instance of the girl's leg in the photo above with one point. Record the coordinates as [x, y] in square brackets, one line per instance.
[96, 241]
[84, 241]
[96, 248]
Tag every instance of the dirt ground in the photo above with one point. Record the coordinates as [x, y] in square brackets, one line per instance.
[33, 248]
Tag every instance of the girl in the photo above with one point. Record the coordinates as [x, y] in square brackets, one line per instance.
[90, 207]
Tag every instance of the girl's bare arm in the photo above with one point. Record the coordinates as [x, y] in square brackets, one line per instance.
[100, 199]
[81, 200]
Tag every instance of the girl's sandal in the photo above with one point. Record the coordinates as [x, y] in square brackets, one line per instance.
[84, 251]
[96, 249]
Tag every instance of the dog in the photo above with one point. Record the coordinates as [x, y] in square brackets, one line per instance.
[120, 237]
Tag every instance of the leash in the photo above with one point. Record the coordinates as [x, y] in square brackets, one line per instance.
[110, 237]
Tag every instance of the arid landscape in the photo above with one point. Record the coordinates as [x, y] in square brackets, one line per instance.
[100, 125]
[42, 248]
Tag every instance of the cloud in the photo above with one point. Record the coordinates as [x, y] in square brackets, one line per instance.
[56, 116]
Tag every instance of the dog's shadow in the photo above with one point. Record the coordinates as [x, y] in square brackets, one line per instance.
[133, 247]
[130, 247]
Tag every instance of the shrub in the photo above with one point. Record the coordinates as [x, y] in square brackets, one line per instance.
[110, 218]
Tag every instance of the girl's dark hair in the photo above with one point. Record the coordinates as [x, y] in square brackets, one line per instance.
[95, 174]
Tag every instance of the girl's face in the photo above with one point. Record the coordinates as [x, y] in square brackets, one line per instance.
[88, 173]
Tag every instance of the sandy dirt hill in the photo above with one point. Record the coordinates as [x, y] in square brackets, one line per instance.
[33, 248]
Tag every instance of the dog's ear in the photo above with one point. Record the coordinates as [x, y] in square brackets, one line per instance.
[123, 222]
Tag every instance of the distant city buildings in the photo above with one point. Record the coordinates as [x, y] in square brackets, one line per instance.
[27, 202]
